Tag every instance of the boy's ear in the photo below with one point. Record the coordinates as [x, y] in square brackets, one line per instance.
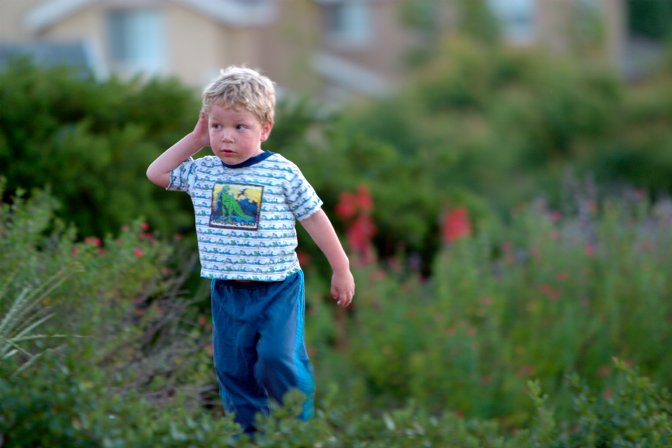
[266, 131]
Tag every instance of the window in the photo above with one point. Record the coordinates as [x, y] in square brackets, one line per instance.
[516, 18]
[349, 22]
[137, 40]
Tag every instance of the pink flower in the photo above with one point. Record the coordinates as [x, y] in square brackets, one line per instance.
[549, 291]
[455, 225]
[590, 250]
[93, 241]
[603, 371]
[137, 252]
[526, 371]
[346, 207]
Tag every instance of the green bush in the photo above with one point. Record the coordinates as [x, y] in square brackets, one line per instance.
[488, 353]
[479, 125]
[553, 294]
[91, 142]
[106, 340]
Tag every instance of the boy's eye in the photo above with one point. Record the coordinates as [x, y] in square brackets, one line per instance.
[241, 127]
[215, 126]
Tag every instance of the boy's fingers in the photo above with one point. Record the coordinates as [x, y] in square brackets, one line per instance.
[342, 300]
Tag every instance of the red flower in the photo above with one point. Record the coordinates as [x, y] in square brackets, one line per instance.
[360, 233]
[355, 209]
[549, 291]
[304, 257]
[346, 207]
[93, 241]
[363, 199]
[455, 225]
[137, 252]
[350, 204]
[590, 250]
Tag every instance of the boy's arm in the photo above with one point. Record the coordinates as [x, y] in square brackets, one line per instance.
[159, 170]
[322, 232]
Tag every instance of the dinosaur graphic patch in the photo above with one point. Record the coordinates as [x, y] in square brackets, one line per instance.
[236, 206]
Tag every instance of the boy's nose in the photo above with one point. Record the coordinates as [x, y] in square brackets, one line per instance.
[227, 137]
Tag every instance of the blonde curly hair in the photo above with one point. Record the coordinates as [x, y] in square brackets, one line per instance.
[242, 87]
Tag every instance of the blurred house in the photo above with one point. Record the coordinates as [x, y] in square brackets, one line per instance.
[332, 49]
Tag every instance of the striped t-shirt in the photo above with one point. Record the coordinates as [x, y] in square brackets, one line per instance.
[245, 214]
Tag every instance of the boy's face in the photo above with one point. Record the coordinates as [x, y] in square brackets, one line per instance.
[236, 134]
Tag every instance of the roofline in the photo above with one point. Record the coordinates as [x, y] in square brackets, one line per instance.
[52, 11]
[229, 12]
[350, 75]
[235, 13]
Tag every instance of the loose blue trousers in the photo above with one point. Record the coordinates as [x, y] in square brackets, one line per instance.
[259, 348]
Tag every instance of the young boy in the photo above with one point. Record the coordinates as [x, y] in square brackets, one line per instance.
[246, 201]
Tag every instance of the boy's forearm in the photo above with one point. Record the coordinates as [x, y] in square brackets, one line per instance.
[323, 234]
[159, 170]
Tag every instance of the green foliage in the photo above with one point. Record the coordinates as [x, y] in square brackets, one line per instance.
[23, 319]
[479, 356]
[649, 18]
[95, 335]
[554, 293]
[634, 413]
[479, 125]
[59, 407]
[489, 127]
[91, 142]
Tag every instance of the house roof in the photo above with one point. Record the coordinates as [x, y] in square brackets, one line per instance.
[229, 12]
[347, 74]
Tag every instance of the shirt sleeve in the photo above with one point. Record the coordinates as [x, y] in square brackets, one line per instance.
[181, 178]
[302, 198]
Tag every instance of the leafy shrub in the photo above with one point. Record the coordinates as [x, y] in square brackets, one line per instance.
[57, 407]
[458, 360]
[554, 293]
[91, 142]
[127, 341]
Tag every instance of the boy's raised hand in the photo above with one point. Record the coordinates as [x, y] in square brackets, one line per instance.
[159, 170]
[200, 132]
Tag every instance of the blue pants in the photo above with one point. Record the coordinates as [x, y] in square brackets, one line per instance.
[259, 348]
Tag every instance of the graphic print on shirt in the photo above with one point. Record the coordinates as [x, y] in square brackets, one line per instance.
[236, 206]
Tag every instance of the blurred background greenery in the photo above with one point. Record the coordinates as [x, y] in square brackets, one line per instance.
[507, 215]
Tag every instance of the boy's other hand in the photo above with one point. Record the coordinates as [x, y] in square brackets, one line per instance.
[342, 288]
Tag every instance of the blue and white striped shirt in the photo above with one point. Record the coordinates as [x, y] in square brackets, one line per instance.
[245, 214]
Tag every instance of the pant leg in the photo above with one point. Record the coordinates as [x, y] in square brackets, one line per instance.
[259, 349]
[236, 317]
[283, 362]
